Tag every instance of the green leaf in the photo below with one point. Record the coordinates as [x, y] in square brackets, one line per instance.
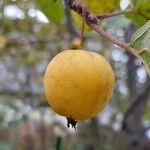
[142, 9]
[97, 7]
[141, 43]
[101, 6]
[53, 10]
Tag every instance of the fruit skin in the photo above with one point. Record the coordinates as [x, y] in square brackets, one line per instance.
[78, 83]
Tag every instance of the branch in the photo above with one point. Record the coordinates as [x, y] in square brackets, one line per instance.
[19, 93]
[135, 110]
[14, 42]
[92, 21]
[23, 94]
[117, 13]
[93, 18]
[78, 7]
[116, 41]
[71, 28]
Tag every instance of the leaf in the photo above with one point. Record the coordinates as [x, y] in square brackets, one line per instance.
[142, 9]
[77, 19]
[101, 6]
[97, 7]
[53, 10]
[140, 42]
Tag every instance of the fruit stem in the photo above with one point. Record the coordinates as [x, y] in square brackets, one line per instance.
[72, 122]
[83, 23]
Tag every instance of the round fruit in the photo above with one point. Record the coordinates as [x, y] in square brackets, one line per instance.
[78, 83]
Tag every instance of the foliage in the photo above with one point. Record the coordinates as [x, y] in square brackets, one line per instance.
[53, 10]
[142, 12]
[97, 7]
[101, 6]
[140, 41]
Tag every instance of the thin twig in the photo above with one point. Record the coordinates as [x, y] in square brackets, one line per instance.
[116, 41]
[93, 18]
[92, 21]
[117, 13]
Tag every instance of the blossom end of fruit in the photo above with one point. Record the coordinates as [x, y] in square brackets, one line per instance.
[72, 122]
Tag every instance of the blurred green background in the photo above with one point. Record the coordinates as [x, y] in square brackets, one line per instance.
[28, 41]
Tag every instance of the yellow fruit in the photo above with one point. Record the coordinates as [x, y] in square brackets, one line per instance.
[78, 83]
